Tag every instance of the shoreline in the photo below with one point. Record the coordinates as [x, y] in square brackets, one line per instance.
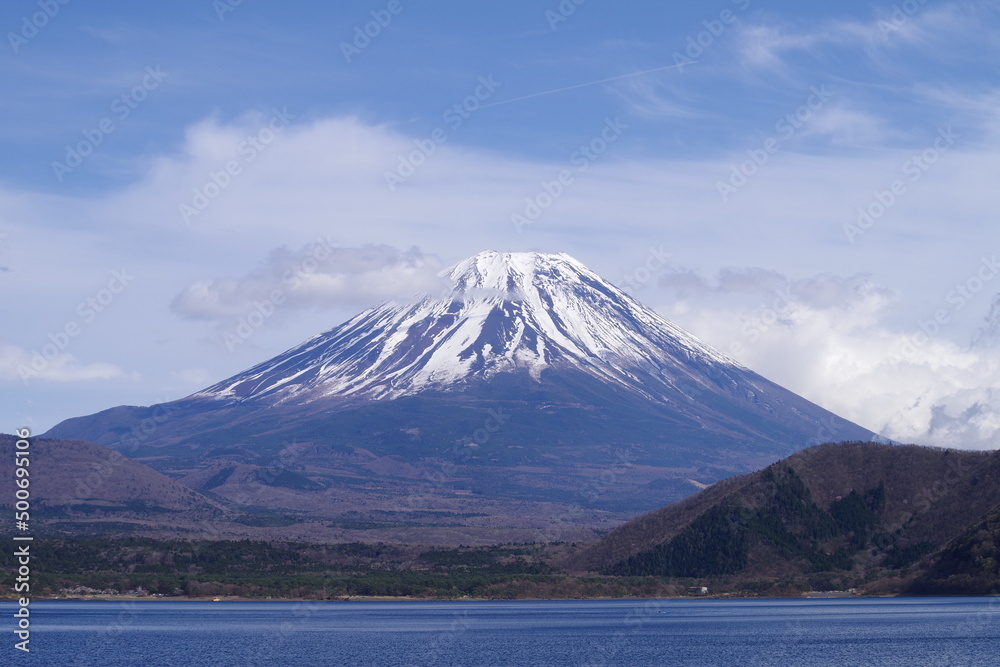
[810, 595]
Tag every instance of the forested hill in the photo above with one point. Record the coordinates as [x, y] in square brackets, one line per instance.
[863, 510]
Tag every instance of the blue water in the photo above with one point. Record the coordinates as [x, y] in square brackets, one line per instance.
[889, 632]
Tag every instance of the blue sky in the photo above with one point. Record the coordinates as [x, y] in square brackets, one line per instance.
[812, 189]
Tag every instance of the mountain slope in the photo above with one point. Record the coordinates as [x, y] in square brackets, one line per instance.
[81, 482]
[531, 380]
[850, 508]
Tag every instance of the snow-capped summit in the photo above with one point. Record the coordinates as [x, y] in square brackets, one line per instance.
[506, 312]
[511, 272]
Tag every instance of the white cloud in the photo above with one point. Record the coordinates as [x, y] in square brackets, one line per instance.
[763, 46]
[827, 338]
[318, 275]
[889, 39]
[847, 126]
[17, 363]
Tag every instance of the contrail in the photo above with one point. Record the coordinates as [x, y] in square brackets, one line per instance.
[591, 83]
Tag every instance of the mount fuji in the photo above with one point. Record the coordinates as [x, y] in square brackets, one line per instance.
[530, 391]
[508, 312]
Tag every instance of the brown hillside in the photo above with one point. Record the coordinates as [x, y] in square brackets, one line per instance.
[931, 496]
[74, 475]
[931, 493]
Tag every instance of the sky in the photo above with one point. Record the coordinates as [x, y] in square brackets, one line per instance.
[189, 189]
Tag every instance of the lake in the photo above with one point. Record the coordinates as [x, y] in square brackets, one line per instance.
[735, 633]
